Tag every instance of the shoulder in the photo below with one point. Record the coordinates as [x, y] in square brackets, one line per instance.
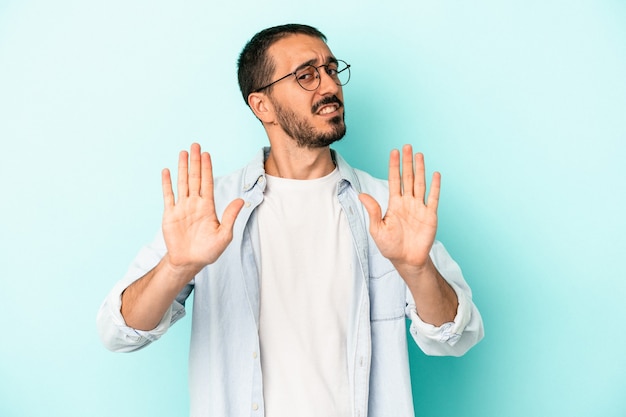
[237, 183]
[229, 183]
[369, 184]
[361, 181]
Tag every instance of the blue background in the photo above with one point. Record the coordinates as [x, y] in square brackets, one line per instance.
[520, 104]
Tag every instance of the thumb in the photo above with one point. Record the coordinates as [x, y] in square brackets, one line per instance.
[373, 209]
[231, 212]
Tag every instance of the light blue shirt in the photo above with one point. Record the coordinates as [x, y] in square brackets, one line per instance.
[224, 362]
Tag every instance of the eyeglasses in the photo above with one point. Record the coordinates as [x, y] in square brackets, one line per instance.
[309, 78]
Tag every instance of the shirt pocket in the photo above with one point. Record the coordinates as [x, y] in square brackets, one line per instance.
[387, 290]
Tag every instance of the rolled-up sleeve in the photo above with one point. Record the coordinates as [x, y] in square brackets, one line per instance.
[454, 338]
[114, 333]
[118, 337]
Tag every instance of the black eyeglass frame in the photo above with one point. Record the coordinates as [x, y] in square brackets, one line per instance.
[319, 78]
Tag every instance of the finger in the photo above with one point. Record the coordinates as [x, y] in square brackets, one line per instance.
[395, 184]
[419, 185]
[407, 170]
[194, 170]
[182, 185]
[206, 184]
[373, 210]
[435, 189]
[166, 185]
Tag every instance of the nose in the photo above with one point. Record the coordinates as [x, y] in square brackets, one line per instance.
[327, 84]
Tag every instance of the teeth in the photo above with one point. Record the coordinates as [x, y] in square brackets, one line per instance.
[328, 109]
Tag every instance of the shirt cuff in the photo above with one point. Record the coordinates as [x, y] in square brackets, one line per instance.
[449, 332]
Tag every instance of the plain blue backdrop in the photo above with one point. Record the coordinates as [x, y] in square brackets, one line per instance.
[521, 105]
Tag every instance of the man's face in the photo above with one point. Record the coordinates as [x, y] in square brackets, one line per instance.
[313, 119]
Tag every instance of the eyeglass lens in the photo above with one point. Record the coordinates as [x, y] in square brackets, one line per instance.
[309, 76]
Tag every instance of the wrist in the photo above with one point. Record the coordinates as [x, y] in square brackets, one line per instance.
[415, 271]
[178, 271]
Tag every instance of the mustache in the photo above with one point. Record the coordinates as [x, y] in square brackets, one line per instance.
[325, 101]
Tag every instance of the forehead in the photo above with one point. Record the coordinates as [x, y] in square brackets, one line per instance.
[294, 50]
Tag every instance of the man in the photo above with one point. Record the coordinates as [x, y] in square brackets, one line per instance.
[302, 286]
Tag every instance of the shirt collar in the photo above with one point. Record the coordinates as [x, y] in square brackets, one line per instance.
[256, 170]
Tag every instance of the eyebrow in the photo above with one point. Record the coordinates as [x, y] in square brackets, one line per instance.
[312, 62]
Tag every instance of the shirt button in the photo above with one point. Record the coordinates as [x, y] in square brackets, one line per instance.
[254, 355]
[255, 406]
[247, 204]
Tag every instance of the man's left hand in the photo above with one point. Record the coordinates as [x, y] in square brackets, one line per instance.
[406, 233]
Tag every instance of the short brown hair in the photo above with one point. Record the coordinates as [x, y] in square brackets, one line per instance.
[255, 67]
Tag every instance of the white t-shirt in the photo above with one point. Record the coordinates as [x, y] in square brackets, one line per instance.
[306, 270]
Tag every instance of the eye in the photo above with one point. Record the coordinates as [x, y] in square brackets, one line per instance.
[306, 75]
[331, 69]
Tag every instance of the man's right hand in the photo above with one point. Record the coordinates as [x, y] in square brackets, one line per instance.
[193, 234]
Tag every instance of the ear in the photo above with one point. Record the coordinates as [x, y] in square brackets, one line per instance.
[261, 107]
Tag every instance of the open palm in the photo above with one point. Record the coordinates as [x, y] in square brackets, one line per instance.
[406, 233]
[193, 234]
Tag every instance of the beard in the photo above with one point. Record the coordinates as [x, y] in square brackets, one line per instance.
[305, 135]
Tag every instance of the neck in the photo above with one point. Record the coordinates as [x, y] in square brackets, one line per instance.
[299, 163]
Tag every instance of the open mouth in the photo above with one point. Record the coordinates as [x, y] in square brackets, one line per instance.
[328, 105]
[331, 108]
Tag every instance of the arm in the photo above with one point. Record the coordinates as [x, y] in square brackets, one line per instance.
[405, 235]
[193, 237]
[453, 338]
